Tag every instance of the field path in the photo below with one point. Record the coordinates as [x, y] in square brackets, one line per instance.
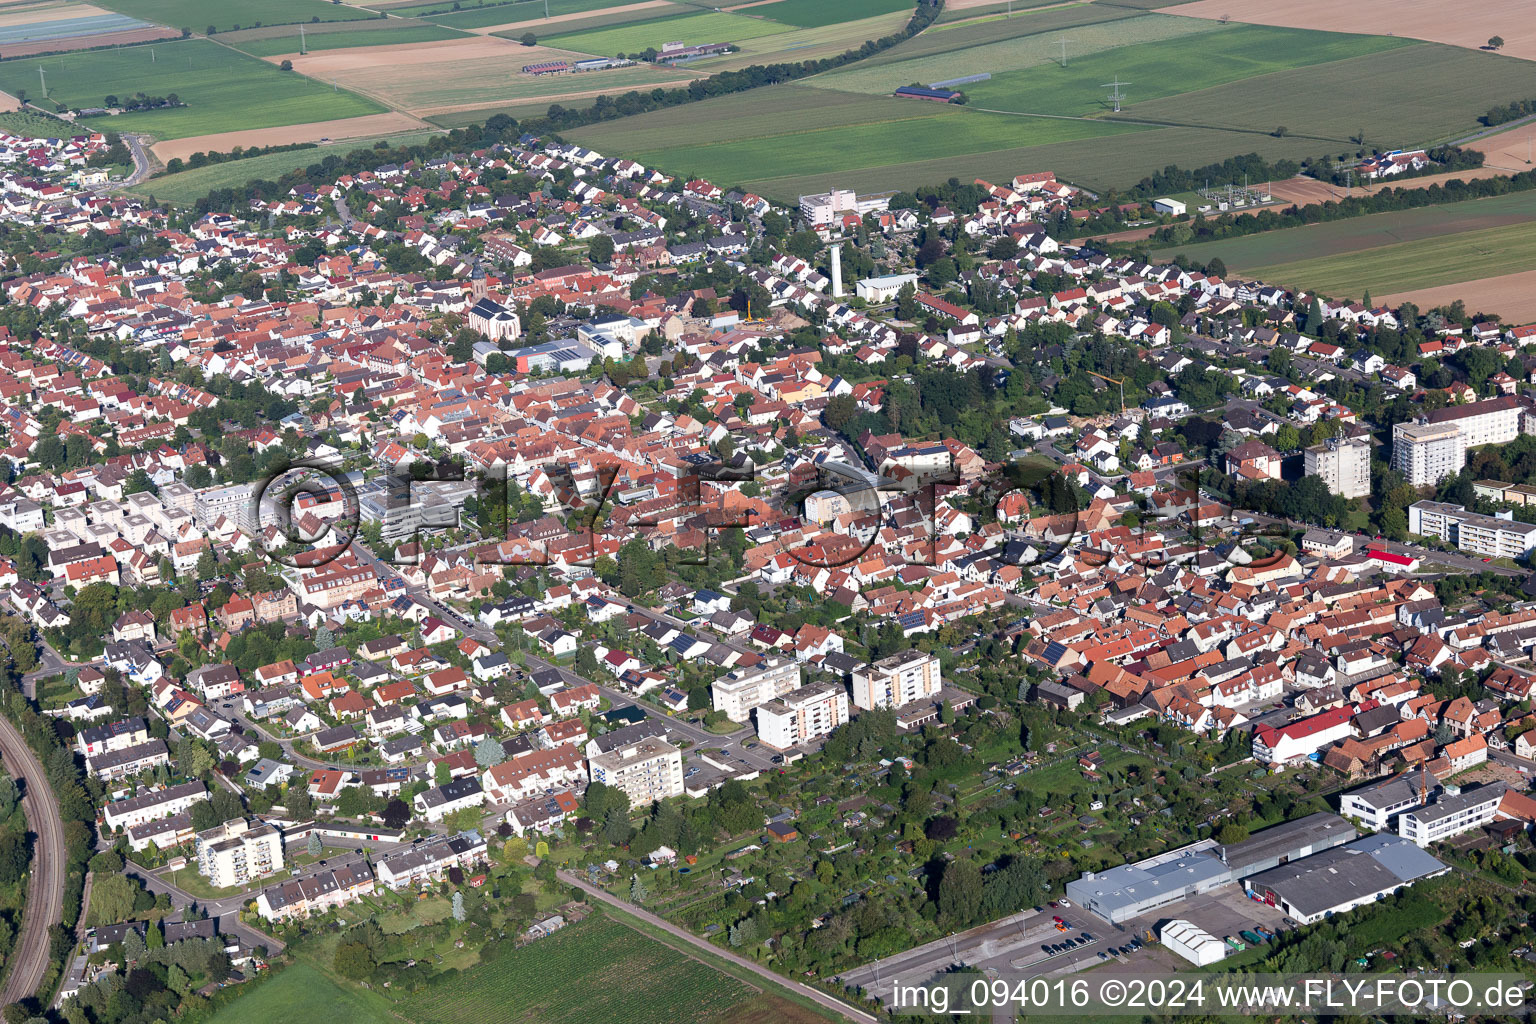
[821, 998]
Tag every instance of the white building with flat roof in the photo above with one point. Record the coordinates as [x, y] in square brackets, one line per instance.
[651, 769]
[1343, 464]
[826, 207]
[883, 289]
[237, 851]
[808, 713]
[897, 680]
[744, 689]
[1426, 453]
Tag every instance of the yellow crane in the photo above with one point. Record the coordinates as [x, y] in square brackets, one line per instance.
[1112, 381]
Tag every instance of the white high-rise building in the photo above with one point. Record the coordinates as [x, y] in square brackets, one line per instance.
[650, 769]
[1426, 453]
[1343, 464]
[806, 714]
[237, 851]
[837, 271]
[897, 680]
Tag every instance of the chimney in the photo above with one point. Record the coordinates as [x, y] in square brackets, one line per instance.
[837, 271]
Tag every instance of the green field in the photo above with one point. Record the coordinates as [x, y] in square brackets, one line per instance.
[1340, 237]
[950, 14]
[598, 970]
[391, 33]
[1406, 266]
[694, 29]
[1151, 33]
[1232, 53]
[302, 995]
[1417, 95]
[224, 90]
[931, 132]
[473, 16]
[815, 13]
[957, 40]
[226, 15]
[186, 187]
[21, 122]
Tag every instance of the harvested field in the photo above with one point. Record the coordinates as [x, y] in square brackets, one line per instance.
[816, 13]
[1467, 23]
[1512, 296]
[125, 38]
[226, 15]
[346, 128]
[1511, 150]
[1302, 191]
[539, 26]
[473, 72]
[284, 41]
[804, 43]
[699, 27]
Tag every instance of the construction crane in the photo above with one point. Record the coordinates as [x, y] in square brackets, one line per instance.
[1112, 381]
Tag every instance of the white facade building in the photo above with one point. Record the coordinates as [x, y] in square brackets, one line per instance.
[1426, 453]
[1192, 942]
[897, 680]
[1343, 464]
[237, 851]
[806, 714]
[651, 769]
[739, 692]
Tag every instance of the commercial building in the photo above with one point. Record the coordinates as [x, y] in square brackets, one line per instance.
[1492, 536]
[651, 769]
[1288, 744]
[237, 851]
[897, 680]
[1342, 464]
[1426, 453]
[883, 289]
[1192, 942]
[1454, 811]
[1337, 880]
[808, 713]
[739, 692]
[1290, 840]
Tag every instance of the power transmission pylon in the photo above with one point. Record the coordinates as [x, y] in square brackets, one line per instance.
[1064, 43]
[1117, 95]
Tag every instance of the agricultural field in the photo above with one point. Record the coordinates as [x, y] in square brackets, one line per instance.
[1418, 95]
[584, 22]
[598, 970]
[57, 20]
[1343, 237]
[1018, 52]
[278, 40]
[227, 15]
[216, 83]
[1157, 69]
[804, 43]
[816, 13]
[186, 187]
[703, 27]
[958, 10]
[473, 16]
[475, 73]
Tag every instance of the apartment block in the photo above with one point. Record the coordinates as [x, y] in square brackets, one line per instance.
[1426, 453]
[897, 680]
[1489, 536]
[237, 851]
[1343, 465]
[807, 714]
[739, 692]
[647, 770]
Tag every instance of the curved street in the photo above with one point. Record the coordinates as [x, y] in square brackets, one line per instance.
[45, 885]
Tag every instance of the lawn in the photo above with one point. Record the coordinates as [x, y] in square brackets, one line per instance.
[223, 90]
[693, 29]
[1156, 69]
[188, 187]
[928, 134]
[389, 33]
[1417, 95]
[227, 15]
[1337, 238]
[598, 970]
[301, 994]
[1151, 33]
[1407, 266]
[815, 13]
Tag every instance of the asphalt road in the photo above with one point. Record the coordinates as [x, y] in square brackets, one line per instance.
[45, 885]
[821, 998]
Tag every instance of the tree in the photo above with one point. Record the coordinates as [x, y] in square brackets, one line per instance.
[960, 893]
[396, 813]
[636, 890]
[489, 753]
[286, 65]
[458, 906]
[1280, 131]
[529, 39]
[1496, 43]
[354, 960]
[314, 846]
[1005, 248]
[600, 249]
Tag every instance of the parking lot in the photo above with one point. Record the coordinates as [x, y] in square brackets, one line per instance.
[1222, 912]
